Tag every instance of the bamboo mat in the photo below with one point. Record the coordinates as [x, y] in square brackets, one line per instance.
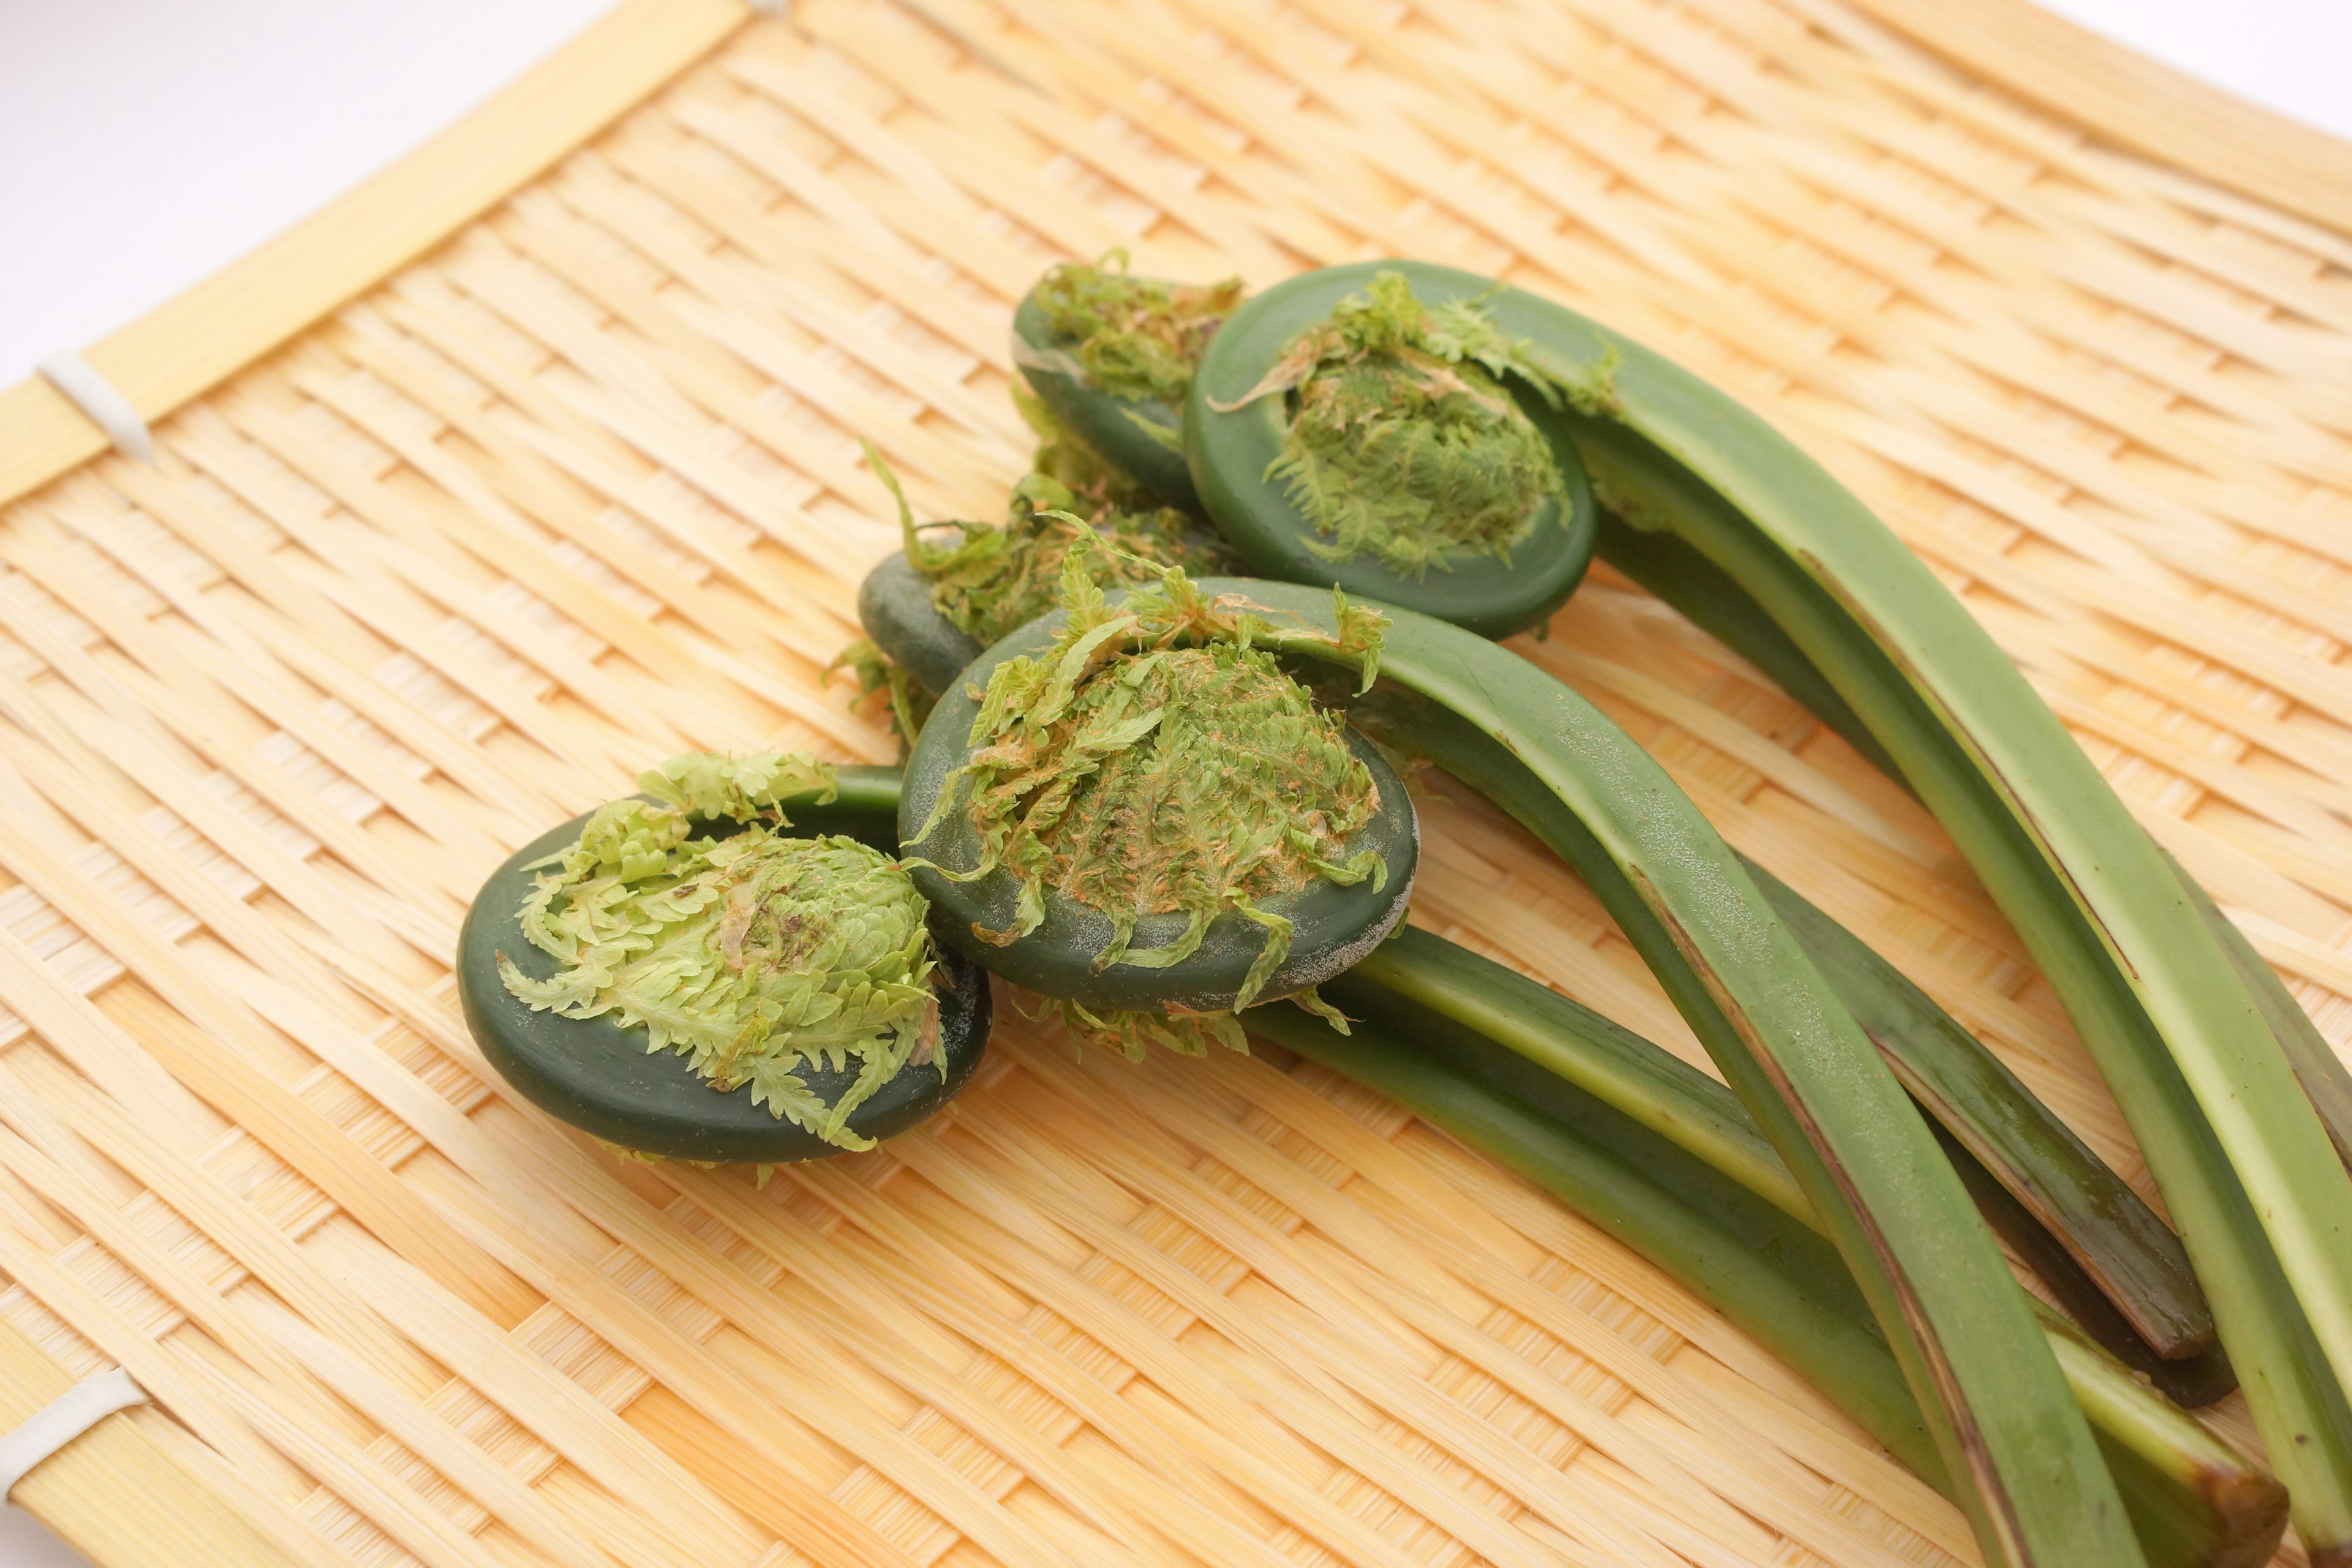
[580, 489]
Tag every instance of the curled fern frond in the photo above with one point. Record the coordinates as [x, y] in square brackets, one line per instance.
[1134, 337]
[1156, 760]
[758, 956]
[1403, 442]
[988, 578]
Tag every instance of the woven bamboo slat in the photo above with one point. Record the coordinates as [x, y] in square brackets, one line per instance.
[580, 488]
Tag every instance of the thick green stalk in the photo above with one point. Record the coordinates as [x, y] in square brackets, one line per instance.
[2193, 1501]
[1416, 980]
[2192, 1381]
[2100, 1234]
[1675, 571]
[2078, 876]
[1712, 598]
[2225, 1126]
[2296, 1396]
[2029, 1473]
[2192, 1497]
[1731, 1222]
[2030, 1149]
[1426, 986]
[1770, 1273]
[2113, 1240]
[2315, 1063]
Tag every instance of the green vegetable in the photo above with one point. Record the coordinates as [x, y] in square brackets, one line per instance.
[1664, 1159]
[2026, 1468]
[1711, 598]
[1415, 977]
[2094, 1213]
[1667, 1160]
[2113, 1240]
[1675, 571]
[2190, 1381]
[1143, 818]
[1403, 443]
[1396, 442]
[679, 974]
[1112, 356]
[2001, 1414]
[997, 576]
[930, 609]
[2182, 1033]
[2317, 1066]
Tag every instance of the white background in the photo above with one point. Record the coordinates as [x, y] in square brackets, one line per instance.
[2294, 56]
[146, 143]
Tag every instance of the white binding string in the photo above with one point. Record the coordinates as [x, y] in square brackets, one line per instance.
[96, 396]
[62, 1420]
[769, 7]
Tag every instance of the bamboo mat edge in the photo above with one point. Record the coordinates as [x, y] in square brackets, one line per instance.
[186, 347]
[2134, 101]
[199, 339]
[115, 1487]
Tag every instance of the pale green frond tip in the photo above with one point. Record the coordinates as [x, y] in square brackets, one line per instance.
[1134, 337]
[1133, 1033]
[1168, 436]
[917, 551]
[758, 956]
[710, 785]
[996, 576]
[1401, 442]
[907, 704]
[1156, 760]
[1312, 1001]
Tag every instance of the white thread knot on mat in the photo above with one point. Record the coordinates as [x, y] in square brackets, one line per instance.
[62, 1420]
[102, 402]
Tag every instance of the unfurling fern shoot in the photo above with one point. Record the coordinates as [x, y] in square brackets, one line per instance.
[680, 973]
[1131, 809]
[1396, 441]
[1112, 355]
[935, 605]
